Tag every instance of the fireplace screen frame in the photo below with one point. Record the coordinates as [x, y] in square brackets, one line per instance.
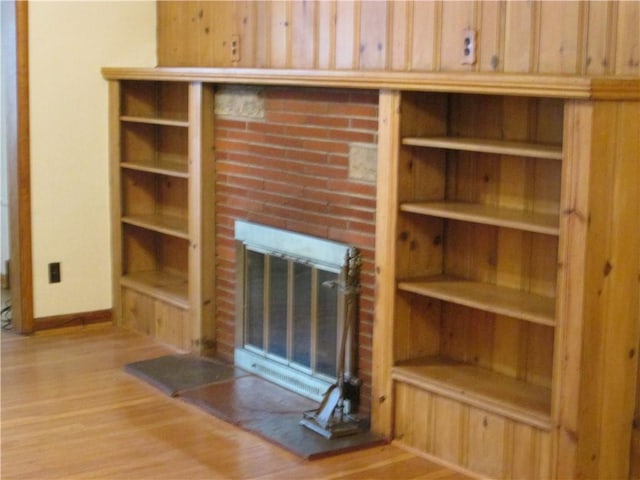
[319, 255]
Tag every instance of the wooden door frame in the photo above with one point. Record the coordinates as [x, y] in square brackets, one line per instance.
[15, 33]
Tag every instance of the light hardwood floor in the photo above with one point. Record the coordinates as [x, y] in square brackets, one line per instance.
[69, 411]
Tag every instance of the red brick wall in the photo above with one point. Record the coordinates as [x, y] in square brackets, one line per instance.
[290, 170]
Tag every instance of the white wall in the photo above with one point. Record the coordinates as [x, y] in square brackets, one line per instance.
[4, 146]
[68, 44]
[4, 186]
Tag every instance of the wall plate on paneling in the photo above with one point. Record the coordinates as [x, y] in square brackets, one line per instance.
[235, 48]
[468, 46]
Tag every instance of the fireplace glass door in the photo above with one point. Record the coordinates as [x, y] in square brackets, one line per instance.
[290, 307]
[291, 312]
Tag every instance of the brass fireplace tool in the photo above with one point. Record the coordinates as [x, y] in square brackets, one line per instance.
[334, 417]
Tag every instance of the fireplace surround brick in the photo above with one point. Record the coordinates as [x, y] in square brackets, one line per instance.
[290, 169]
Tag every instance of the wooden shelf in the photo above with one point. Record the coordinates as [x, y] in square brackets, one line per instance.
[484, 296]
[168, 287]
[516, 399]
[487, 214]
[162, 166]
[521, 149]
[155, 121]
[169, 225]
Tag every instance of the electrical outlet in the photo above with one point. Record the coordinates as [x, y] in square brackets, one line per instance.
[468, 46]
[54, 272]
[235, 48]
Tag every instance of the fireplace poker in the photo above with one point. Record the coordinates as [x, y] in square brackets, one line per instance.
[330, 419]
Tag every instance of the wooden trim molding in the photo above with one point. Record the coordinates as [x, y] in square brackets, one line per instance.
[15, 55]
[565, 86]
[23, 251]
[73, 319]
[24, 171]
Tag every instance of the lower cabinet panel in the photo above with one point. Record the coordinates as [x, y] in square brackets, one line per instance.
[164, 322]
[635, 449]
[469, 437]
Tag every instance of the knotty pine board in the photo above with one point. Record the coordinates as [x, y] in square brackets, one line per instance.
[590, 37]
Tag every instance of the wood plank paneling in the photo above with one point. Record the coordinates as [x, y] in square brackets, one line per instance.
[208, 48]
[599, 42]
[303, 30]
[399, 35]
[524, 448]
[468, 437]
[518, 36]
[602, 270]
[635, 435]
[347, 35]
[450, 423]
[490, 40]
[560, 25]
[455, 17]
[326, 34]
[414, 430]
[424, 28]
[137, 310]
[279, 28]
[487, 443]
[590, 37]
[262, 48]
[215, 44]
[373, 35]
[171, 326]
[594, 439]
[628, 39]
[619, 294]
[246, 20]
[178, 38]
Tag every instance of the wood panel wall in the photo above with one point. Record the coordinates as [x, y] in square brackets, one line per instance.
[572, 37]
[555, 37]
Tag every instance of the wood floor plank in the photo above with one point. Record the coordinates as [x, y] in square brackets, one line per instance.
[69, 411]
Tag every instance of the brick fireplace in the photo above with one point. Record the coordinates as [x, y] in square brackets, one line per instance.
[300, 159]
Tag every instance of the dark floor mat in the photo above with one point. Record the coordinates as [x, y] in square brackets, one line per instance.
[175, 373]
[273, 413]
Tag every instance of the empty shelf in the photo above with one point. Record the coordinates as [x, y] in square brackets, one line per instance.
[162, 167]
[522, 149]
[169, 225]
[488, 215]
[162, 285]
[491, 298]
[479, 387]
[155, 121]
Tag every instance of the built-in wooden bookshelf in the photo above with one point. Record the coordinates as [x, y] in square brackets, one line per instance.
[478, 211]
[507, 326]
[486, 204]
[162, 164]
